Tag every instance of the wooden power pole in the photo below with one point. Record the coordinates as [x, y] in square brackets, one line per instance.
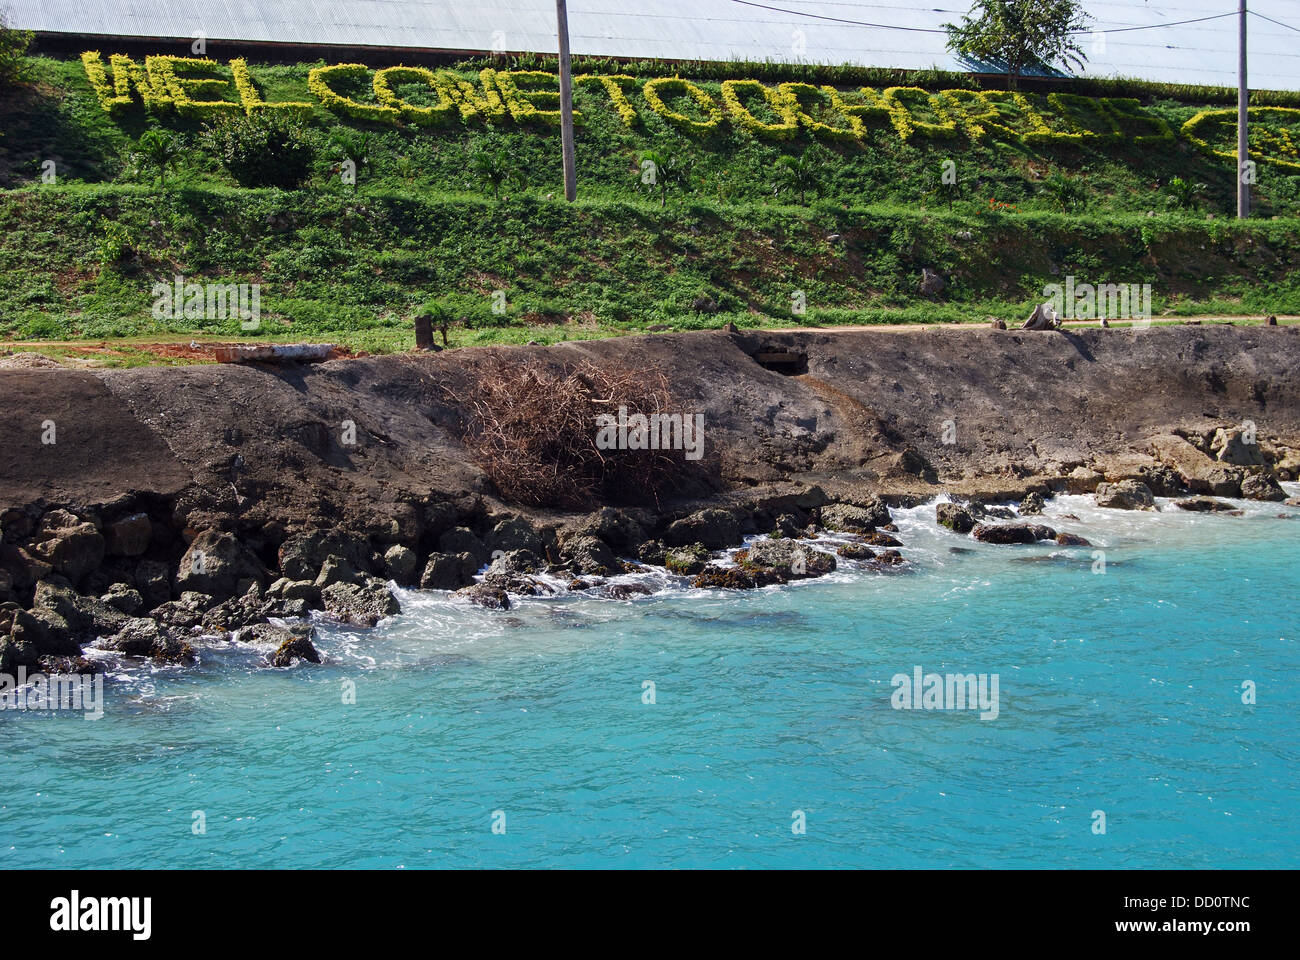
[1243, 103]
[566, 103]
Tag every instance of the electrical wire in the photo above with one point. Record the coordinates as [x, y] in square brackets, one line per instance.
[891, 26]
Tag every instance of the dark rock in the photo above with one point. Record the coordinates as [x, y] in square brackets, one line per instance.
[652, 551]
[932, 284]
[293, 650]
[856, 551]
[513, 534]
[589, 555]
[215, 563]
[448, 571]
[16, 649]
[288, 608]
[866, 514]
[715, 528]
[1229, 446]
[1204, 505]
[336, 570]
[714, 577]
[687, 560]
[401, 564]
[878, 539]
[1032, 505]
[238, 612]
[788, 525]
[286, 589]
[69, 545]
[24, 569]
[1262, 486]
[395, 523]
[302, 554]
[1012, 533]
[786, 558]
[128, 537]
[463, 540]
[122, 596]
[86, 617]
[911, 462]
[1072, 540]
[292, 643]
[185, 612]
[1125, 495]
[142, 637]
[955, 516]
[66, 666]
[626, 591]
[37, 634]
[485, 595]
[516, 563]
[514, 583]
[363, 604]
[622, 532]
[154, 582]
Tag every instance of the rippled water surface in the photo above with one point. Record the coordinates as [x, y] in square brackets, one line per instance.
[1119, 691]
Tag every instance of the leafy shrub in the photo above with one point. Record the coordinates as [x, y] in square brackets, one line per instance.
[1064, 192]
[117, 244]
[1183, 194]
[160, 151]
[263, 150]
[13, 52]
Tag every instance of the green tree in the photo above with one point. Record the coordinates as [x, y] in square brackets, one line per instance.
[353, 152]
[13, 51]
[797, 174]
[1020, 34]
[659, 171]
[158, 150]
[490, 162]
[263, 150]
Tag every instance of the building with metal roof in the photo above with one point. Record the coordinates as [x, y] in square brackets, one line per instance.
[1190, 41]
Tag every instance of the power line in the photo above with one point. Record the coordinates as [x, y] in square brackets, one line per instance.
[1155, 26]
[1271, 20]
[891, 26]
[856, 23]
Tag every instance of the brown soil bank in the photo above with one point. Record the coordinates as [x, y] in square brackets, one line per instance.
[237, 446]
[180, 489]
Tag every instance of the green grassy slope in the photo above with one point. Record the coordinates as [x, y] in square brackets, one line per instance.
[732, 243]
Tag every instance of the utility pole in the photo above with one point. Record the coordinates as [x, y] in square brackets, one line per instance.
[1243, 101]
[566, 102]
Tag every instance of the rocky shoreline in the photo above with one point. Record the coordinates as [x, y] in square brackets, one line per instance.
[171, 504]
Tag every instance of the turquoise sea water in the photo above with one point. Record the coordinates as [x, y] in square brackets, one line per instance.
[1119, 691]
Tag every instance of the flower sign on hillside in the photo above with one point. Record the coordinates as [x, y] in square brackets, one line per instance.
[423, 97]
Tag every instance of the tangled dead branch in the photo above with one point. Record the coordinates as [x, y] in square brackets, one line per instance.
[532, 427]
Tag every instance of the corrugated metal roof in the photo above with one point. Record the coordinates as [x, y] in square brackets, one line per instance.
[703, 30]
